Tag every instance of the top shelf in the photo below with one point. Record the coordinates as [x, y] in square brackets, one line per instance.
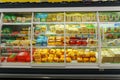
[28, 18]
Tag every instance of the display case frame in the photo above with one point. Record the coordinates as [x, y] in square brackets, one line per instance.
[99, 65]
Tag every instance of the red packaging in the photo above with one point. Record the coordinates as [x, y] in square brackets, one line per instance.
[21, 57]
[72, 42]
[2, 59]
[21, 60]
[79, 42]
[28, 59]
[84, 43]
[11, 58]
[15, 33]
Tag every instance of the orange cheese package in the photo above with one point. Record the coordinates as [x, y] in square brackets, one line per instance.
[57, 55]
[51, 43]
[59, 38]
[51, 39]
[58, 43]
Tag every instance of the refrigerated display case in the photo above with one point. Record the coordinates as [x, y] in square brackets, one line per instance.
[60, 38]
[109, 38]
[15, 38]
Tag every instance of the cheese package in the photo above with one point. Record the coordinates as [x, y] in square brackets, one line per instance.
[51, 43]
[59, 43]
[51, 38]
[107, 59]
[59, 38]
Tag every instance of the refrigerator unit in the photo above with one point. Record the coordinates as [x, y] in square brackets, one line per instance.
[63, 38]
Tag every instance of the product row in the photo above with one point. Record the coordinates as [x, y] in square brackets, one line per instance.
[59, 55]
[49, 35]
[61, 17]
[68, 28]
[60, 35]
[110, 55]
[53, 55]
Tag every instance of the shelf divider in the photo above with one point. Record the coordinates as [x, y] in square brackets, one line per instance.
[99, 40]
[32, 31]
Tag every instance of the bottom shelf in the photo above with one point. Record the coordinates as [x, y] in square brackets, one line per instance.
[15, 65]
[83, 65]
[110, 66]
[61, 65]
[50, 65]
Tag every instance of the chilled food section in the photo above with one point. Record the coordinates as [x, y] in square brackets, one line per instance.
[15, 43]
[59, 38]
[15, 38]
[49, 17]
[17, 18]
[81, 17]
[110, 35]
